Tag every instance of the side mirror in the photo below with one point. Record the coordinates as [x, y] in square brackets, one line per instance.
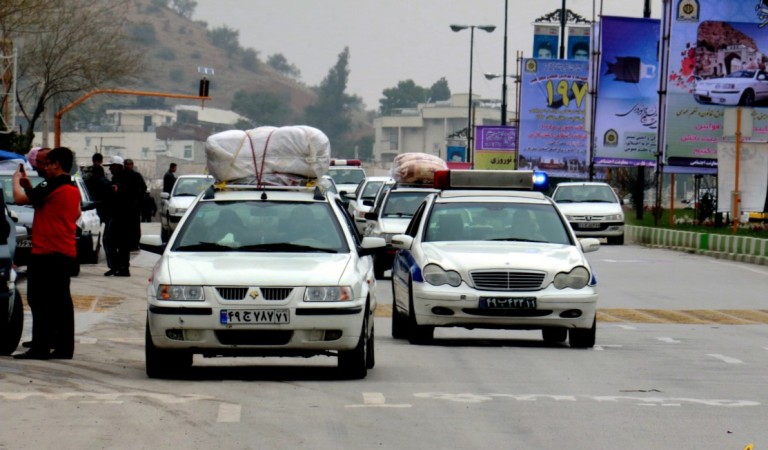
[165, 195]
[368, 202]
[371, 215]
[87, 206]
[589, 245]
[371, 245]
[152, 243]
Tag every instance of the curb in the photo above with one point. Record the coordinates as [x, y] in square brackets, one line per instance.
[720, 246]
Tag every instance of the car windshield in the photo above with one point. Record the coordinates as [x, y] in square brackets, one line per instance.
[403, 204]
[190, 186]
[347, 176]
[495, 221]
[742, 74]
[370, 190]
[262, 226]
[585, 194]
[6, 182]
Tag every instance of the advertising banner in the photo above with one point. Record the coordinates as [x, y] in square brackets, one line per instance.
[546, 41]
[626, 111]
[717, 57]
[552, 135]
[495, 147]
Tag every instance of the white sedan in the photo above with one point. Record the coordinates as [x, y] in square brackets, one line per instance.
[743, 87]
[256, 271]
[174, 205]
[481, 258]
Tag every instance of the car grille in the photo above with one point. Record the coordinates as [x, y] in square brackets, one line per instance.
[508, 280]
[239, 293]
[254, 337]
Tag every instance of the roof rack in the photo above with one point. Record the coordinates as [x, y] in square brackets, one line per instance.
[319, 189]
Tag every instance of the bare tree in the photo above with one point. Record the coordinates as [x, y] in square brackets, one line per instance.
[80, 46]
[18, 16]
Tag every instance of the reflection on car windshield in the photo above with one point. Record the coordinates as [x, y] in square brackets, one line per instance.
[191, 186]
[585, 194]
[347, 176]
[495, 221]
[6, 181]
[742, 74]
[403, 204]
[262, 226]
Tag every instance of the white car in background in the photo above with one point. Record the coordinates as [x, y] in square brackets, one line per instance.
[743, 87]
[364, 197]
[347, 174]
[174, 205]
[593, 209]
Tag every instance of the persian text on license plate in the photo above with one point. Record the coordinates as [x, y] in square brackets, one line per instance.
[254, 316]
[589, 225]
[508, 302]
[24, 243]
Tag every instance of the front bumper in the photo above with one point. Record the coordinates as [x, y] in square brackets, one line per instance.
[446, 306]
[196, 326]
[605, 229]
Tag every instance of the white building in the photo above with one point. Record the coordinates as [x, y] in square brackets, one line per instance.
[428, 127]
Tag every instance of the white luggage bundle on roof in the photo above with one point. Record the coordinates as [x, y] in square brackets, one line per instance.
[416, 167]
[266, 155]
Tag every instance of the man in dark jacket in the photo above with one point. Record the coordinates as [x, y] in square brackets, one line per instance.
[118, 234]
[169, 179]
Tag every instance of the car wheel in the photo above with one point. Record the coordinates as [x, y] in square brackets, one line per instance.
[417, 334]
[616, 240]
[370, 357]
[399, 324]
[352, 363]
[10, 333]
[747, 98]
[554, 335]
[583, 337]
[162, 363]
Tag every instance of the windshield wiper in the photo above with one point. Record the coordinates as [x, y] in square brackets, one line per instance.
[511, 239]
[284, 247]
[203, 247]
[184, 194]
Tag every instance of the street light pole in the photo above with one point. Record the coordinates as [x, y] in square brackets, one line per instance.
[562, 30]
[456, 29]
[504, 71]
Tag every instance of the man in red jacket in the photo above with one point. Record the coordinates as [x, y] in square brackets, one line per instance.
[54, 253]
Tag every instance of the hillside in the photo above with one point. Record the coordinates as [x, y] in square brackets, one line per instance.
[176, 47]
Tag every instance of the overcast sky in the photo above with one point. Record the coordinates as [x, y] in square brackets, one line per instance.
[394, 40]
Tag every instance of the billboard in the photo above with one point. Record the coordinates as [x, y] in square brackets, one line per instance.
[627, 107]
[578, 43]
[495, 147]
[546, 40]
[552, 135]
[709, 39]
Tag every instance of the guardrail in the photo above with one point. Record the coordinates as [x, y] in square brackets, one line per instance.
[732, 247]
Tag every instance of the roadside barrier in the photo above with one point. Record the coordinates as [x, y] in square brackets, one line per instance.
[721, 246]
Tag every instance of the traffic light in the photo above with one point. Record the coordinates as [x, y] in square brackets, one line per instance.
[204, 83]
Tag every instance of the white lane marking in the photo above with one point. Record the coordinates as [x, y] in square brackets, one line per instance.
[727, 359]
[376, 400]
[626, 327]
[599, 348]
[103, 397]
[746, 267]
[669, 340]
[229, 412]
[632, 261]
[87, 340]
[659, 401]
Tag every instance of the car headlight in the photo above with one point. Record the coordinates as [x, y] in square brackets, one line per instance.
[437, 276]
[180, 293]
[615, 217]
[328, 294]
[178, 211]
[728, 86]
[577, 278]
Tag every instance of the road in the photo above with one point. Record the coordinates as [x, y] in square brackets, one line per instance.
[680, 362]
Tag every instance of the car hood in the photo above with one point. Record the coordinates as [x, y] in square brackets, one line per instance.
[596, 209]
[501, 255]
[252, 269]
[395, 225]
[181, 202]
[25, 213]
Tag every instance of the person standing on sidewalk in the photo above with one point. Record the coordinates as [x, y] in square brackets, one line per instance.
[138, 187]
[54, 253]
[118, 234]
[169, 179]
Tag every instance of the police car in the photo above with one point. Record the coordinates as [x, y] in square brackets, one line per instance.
[479, 254]
[364, 198]
[347, 174]
[173, 205]
[262, 271]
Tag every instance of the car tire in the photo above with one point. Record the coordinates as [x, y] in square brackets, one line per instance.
[352, 363]
[583, 337]
[370, 357]
[747, 98]
[417, 334]
[399, 323]
[616, 240]
[10, 333]
[162, 363]
[554, 335]
[87, 253]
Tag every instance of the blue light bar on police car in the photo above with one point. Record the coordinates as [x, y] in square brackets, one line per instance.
[492, 179]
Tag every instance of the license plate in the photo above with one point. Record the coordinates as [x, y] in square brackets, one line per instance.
[588, 225]
[508, 302]
[24, 243]
[254, 316]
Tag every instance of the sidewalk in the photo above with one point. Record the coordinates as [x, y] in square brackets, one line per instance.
[731, 247]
